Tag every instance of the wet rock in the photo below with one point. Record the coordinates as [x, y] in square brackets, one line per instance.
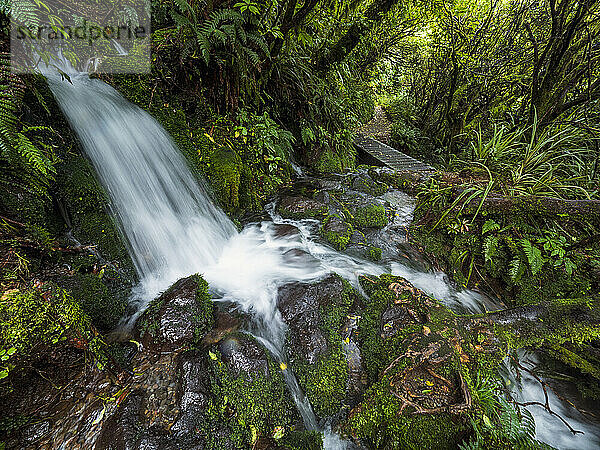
[301, 208]
[180, 316]
[285, 230]
[362, 182]
[243, 356]
[36, 431]
[315, 314]
[225, 324]
[337, 232]
[405, 180]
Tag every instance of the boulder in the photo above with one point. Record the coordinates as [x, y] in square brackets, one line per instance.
[298, 207]
[315, 314]
[181, 316]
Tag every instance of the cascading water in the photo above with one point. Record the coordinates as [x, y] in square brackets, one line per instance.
[165, 213]
[174, 230]
[171, 225]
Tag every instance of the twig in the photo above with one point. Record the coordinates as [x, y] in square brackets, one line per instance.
[546, 404]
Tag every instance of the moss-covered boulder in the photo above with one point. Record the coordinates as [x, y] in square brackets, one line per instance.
[315, 314]
[101, 291]
[367, 213]
[230, 395]
[38, 321]
[224, 174]
[431, 371]
[336, 231]
[362, 182]
[297, 207]
[179, 317]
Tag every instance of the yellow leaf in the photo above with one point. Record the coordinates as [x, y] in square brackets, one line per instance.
[283, 366]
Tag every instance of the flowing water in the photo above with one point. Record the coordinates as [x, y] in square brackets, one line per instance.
[173, 228]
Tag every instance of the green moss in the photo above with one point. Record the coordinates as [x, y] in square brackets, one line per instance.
[375, 253]
[205, 319]
[104, 302]
[252, 404]
[325, 381]
[328, 162]
[379, 423]
[337, 232]
[369, 186]
[29, 207]
[302, 440]
[202, 322]
[87, 203]
[34, 320]
[369, 216]
[224, 175]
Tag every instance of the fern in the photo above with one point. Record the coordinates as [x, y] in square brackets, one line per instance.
[488, 226]
[23, 162]
[516, 269]
[490, 248]
[21, 11]
[533, 254]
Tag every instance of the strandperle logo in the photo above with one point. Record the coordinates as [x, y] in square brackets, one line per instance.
[107, 37]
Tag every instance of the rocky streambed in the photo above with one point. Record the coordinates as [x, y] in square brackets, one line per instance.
[382, 363]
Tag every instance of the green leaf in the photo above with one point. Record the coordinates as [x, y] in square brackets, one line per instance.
[488, 226]
[534, 256]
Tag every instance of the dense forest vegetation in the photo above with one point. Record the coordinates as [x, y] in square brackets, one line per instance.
[501, 97]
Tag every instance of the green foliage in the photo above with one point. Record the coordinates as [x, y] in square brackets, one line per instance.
[250, 404]
[497, 423]
[35, 319]
[552, 162]
[25, 159]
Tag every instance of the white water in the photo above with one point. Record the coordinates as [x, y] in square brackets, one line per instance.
[174, 230]
[170, 224]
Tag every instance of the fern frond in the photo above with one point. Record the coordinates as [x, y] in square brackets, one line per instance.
[533, 254]
[516, 269]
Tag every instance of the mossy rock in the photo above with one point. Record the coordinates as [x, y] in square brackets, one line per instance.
[368, 214]
[181, 316]
[87, 203]
[315, 314]
[337, 232]
[31, 208]
[362, 182]
[37, 319]
[296, 207]
[248, 393]
[224, 175]
[329, 162]
[104, 295]
[375, 253]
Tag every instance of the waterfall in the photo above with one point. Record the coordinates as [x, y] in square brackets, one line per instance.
[172, 227]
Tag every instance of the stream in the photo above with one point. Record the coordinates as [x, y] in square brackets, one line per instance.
[173, 230]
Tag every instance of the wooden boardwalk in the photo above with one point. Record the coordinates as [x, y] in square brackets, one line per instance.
[388, 156]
